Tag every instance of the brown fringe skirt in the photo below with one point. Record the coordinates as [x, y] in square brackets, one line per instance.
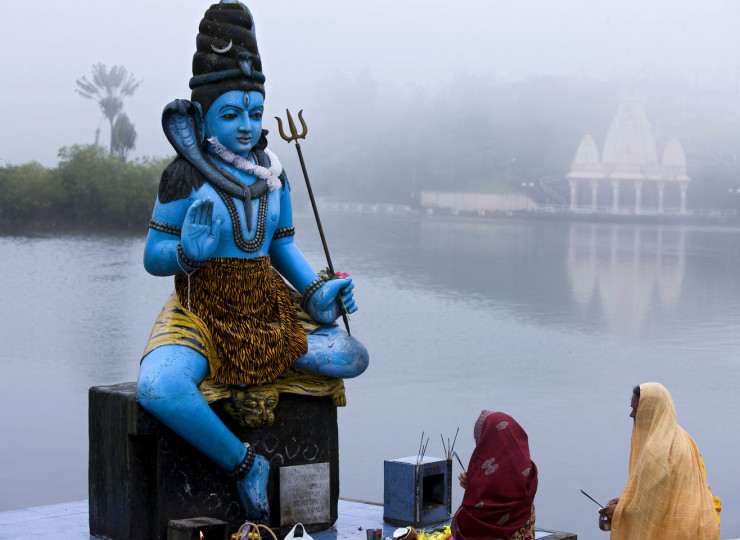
[247, 311]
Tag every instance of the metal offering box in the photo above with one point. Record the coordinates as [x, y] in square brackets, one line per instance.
[417, 493]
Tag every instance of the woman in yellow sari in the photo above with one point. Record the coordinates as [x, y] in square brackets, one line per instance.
[666, 496]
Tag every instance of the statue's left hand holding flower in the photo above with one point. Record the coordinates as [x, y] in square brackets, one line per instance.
[200, 232]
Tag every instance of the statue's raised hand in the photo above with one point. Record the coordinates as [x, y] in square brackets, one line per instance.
[200, 232]
[331, 299]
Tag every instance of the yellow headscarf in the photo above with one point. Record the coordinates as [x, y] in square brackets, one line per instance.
[667, 496]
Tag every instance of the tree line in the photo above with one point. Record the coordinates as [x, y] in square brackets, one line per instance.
[89, 188]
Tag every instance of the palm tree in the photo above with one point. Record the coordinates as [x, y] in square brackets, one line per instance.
[108, 88]
[124, 138]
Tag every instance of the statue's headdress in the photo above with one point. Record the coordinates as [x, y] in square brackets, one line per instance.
[226, 57]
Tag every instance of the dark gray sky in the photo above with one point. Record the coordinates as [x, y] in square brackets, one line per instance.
[401, 45]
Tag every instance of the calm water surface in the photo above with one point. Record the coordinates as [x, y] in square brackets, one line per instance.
[552, 323]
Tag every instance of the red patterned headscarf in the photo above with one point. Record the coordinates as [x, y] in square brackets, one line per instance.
[501, 481]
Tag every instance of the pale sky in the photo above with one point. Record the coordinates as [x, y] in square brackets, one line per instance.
[401, 45]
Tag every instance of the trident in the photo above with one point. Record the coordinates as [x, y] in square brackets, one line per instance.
[294, 136]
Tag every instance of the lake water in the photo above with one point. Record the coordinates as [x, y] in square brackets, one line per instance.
[553, 323]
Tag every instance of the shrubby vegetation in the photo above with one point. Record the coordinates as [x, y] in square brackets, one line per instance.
[89, 188]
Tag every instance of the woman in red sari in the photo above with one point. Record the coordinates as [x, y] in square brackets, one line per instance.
[500, 483]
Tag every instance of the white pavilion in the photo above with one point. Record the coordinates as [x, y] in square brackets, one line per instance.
[629, 166]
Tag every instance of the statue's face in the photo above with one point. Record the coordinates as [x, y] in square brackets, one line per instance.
[235, 118]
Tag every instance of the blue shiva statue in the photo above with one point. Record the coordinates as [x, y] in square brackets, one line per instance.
[222, 225]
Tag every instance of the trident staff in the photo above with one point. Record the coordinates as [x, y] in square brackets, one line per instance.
[294, 136]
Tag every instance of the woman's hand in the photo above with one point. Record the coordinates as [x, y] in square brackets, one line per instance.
[463, 479]
[200, 232]
[608, 510]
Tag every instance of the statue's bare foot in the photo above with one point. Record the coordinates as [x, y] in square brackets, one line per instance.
[252, 490]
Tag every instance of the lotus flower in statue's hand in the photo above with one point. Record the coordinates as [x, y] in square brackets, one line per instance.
[327, 274]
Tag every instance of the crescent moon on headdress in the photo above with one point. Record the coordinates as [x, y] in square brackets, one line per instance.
[224, 50]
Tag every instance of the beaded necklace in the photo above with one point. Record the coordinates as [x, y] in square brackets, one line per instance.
[269, 174]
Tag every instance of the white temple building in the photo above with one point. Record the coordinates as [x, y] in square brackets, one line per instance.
[629, 168]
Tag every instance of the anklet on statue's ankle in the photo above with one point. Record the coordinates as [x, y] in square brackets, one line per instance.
[243, 468]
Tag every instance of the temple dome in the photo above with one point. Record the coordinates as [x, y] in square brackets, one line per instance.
[586, 163]
[674, 161]
[673, 156]
[630, 142]
[587, 152]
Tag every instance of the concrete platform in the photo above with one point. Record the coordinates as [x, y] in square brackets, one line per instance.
[69, 521]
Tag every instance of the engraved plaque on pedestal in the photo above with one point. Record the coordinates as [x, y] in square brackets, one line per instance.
[304, 494]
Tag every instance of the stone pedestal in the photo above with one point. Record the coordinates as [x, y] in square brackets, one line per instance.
[142, 475]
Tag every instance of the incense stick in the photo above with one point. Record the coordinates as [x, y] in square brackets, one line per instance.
[459, 461]
[455, 439]
[424, 450]
[594, 500]
[449, 448]
[421, 444]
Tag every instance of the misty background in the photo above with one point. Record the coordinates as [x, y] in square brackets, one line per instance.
[399, 97]
[402, 96]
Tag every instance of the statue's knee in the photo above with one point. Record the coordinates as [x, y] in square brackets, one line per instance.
[149, 390]
[358, 355]
[169, 371]
[350, 354]
[157, 380]
[334, 353]
[144, 391]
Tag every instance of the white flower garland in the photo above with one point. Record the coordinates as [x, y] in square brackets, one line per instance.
[243, 164]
